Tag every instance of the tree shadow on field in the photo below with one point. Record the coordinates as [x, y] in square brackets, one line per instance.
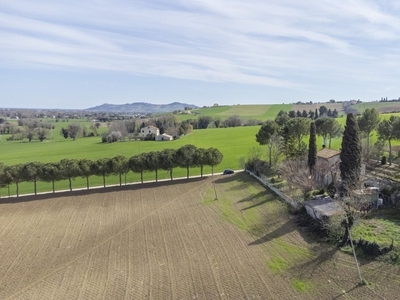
[256, 204]
[326, 263]
[228, 177]
[251, 197]
[279, 232]
[101, 190]
[345, 294]
[323, 255]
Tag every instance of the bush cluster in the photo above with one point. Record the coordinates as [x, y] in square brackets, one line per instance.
[257, 166]
[316, 227]
[372, 248]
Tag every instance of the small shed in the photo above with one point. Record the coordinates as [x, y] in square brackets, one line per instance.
[164, 137]
[323, 208]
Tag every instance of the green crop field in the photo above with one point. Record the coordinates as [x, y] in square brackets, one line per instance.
[246, 112]
[273, 111]
[232, 142]
[266, 112]
[212, 111]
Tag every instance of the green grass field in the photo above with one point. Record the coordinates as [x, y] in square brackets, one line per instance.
[232, 142]
[269, 112]
[246, 112]
[381, 226]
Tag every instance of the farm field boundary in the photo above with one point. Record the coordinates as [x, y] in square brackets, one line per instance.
[173, 241]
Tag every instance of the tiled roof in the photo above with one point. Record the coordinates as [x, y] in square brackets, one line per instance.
[327, 153]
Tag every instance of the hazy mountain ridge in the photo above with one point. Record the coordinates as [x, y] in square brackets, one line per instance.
[141, 107]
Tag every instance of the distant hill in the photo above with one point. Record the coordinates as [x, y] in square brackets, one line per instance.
[141, 107]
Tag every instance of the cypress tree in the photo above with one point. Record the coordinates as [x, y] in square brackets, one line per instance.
[316, 114]
[350, 155]
[312, 148]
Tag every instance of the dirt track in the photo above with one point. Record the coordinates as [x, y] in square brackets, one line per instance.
[162, 242]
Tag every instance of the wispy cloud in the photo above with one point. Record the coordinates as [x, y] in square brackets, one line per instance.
[273, 43]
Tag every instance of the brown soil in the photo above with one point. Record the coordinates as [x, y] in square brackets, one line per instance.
[162, 242]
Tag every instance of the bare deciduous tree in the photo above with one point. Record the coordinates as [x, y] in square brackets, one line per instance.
[297, 174]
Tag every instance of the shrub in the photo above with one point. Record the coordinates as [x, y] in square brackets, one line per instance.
[257, 165]
[313, 193]
[387, 191]
[372, 248]
[383, 160]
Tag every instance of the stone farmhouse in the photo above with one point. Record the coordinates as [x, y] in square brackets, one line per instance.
[327, 166]
[150, 130]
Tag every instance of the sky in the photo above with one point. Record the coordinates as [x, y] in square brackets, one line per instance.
[78, 54]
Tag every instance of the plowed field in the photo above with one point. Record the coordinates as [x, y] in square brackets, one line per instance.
[173, 241]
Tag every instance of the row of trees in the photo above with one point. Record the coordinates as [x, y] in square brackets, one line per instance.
[187, 157]
[320, 112]
[203, 122]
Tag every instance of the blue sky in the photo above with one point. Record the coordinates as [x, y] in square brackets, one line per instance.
[79, 54]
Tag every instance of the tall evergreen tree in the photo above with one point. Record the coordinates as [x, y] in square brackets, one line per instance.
[316, 114]
[350, 155]
[312, 148]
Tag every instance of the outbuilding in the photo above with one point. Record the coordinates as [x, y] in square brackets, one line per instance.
[164, 137]
[323, 208]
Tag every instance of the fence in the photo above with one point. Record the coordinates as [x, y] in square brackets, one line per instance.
[284, 197]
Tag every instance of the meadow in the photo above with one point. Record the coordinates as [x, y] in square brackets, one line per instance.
[234, 143]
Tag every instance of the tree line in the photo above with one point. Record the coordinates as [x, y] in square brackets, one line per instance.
[188, 156]
[320, 112]
[286, 135]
